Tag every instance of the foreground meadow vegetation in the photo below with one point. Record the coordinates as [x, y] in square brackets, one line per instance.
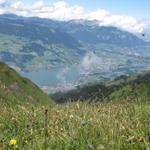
[76, 126]
[30, 120]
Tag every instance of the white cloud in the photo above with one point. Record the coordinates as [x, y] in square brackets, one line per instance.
[39, 5]
[91, 62]
[3, 1]
[63, 11]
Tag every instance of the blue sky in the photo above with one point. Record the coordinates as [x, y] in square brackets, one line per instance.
[137, 8]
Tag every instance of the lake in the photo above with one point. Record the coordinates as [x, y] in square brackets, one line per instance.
[55, 76]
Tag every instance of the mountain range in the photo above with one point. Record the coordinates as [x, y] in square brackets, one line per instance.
[34, 43]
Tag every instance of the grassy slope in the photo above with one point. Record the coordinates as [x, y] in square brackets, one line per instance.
[136, 86]
[117, 125]
[16, 89]
[132, 91]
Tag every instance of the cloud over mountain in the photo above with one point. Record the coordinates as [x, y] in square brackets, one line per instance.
[63, 11]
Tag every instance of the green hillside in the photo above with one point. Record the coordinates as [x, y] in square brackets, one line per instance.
[135, 87]
[28, 121]
[15, 89]
[123, 87]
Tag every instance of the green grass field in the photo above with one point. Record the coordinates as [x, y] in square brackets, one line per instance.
[76, 126]
[30, 120]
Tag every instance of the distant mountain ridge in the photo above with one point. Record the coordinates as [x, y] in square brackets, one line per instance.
[35, 43]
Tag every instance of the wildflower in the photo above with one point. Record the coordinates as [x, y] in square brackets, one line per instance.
[12, 142]
[90, 147]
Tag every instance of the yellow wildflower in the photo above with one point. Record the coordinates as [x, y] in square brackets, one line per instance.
[12, 142]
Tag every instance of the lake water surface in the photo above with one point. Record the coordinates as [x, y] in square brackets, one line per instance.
[55, 76]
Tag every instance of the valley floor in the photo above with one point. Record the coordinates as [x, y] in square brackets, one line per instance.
[76, 126]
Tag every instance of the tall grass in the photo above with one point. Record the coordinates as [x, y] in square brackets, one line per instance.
[77, 126]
